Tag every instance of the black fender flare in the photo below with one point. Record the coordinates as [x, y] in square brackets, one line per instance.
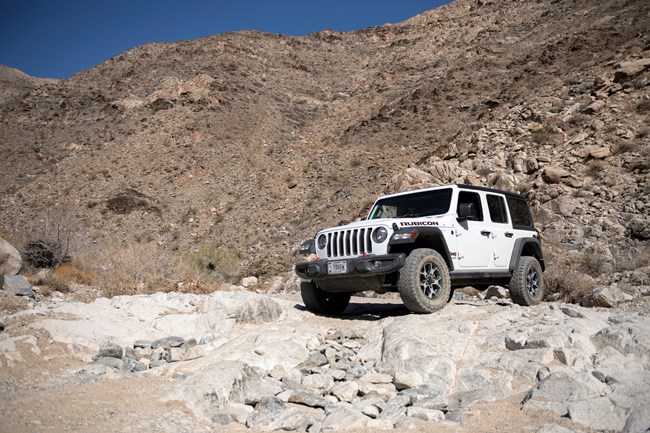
[530, 243]
[430, 237]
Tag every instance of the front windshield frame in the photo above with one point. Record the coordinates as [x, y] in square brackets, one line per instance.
[413, 205]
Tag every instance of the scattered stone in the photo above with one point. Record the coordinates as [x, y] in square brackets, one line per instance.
[185, 353]
[239, 412]
[594, 107]
[272, 414]
[497, 292]
[426, 414]
[554, 175]
[345, 419]
[142, 344]
[458, 417]
[133, 365]
[222, 418]
[248, 282]
[168, 342]
[307, 399]
[345, 391]
[316, 359]
[109, 350]
[320, 383]
[116, 364]
[371, 410]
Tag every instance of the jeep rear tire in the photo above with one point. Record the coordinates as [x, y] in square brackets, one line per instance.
[322, 302]
[424, 284]
[526, 284]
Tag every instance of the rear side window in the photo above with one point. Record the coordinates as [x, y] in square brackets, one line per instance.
[497, 208]
[520, 213]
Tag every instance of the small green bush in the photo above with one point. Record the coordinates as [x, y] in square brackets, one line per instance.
[214, 263]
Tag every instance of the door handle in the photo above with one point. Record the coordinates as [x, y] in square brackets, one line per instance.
[485, 233]
[508, 234]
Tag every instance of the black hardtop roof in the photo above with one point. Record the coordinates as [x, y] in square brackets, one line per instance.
[459, 186]
[486, 189]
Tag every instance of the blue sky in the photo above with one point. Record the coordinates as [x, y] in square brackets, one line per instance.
[58, 38]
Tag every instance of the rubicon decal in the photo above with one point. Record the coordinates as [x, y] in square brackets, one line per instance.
[418, 223]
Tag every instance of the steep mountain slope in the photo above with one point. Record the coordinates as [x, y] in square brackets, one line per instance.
[256, 140]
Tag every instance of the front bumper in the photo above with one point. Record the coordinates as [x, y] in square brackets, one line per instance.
[355, 267]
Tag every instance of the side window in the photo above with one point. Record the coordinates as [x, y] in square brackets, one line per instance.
[520, 213]
[497, 208]
[474, 201]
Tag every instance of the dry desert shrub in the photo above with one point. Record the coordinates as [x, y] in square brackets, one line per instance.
[67, 274]
[564, 278]
[142, 268]
[546, 135]
[632, 258]
[48, 242]
[133, 269]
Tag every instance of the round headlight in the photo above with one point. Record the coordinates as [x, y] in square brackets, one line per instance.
[380, 235]
[322, 241]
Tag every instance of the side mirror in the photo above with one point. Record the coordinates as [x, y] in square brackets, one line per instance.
[308, 247]
[466, 211]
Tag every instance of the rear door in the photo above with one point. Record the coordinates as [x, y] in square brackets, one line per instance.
[500, 228]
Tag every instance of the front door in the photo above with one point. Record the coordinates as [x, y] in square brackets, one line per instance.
[473, 241]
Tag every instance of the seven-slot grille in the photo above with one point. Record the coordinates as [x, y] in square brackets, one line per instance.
[350, 242]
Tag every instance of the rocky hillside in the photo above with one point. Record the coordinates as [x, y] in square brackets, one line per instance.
[254, 141]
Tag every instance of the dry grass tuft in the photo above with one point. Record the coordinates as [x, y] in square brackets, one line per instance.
[67, 274]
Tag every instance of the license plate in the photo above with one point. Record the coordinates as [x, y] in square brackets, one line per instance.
[337, 267]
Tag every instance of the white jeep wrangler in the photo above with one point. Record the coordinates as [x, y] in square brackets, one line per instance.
[422, 244]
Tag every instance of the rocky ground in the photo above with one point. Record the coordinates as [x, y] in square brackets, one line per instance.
[240, 361]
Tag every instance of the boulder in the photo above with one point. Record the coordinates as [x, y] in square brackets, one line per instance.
[629, 70]
[554, 174]
[595, 152]
[10, 259]
[563, 205]
[259, 310]
[17, 285]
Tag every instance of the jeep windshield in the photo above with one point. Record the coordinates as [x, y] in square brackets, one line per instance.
[417, 204]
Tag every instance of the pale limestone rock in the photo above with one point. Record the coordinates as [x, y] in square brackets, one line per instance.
[10, 259]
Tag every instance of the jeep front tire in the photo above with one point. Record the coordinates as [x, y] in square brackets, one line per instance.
[526, 284]
[424, 284]
[322, 302]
